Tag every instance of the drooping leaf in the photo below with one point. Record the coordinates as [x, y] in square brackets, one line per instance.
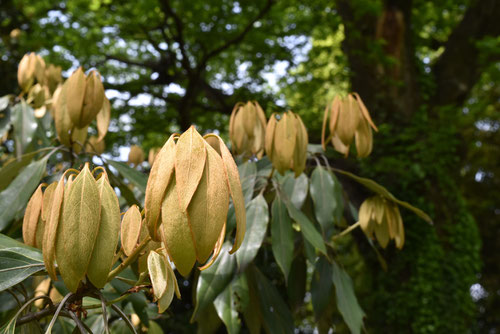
[257, 221]
[248, 174]
[322, 194]
[214, 280]
[297, 280]
[12, 168]
[321, 286]
[17, 262]
[24, 123]
[14, 198]
[230, 301]
[296, 188]
[281, 236]
[5, 119]
[377, 188]
[307, 228]
[346, 300]
[276, 315]
[137, 178]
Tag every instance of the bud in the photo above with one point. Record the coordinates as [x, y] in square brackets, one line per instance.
[286, 142]
[247, 126]
[187, 199]
[36, 96]
[31, 67]
[382, 217]
[53, 77]
[348, 119]
[162, 279]
[103, 119]
[95, 146]
[82, 224]
[135, 156]
[84, 96]
[153, 152]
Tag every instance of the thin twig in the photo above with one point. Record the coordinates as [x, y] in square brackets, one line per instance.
[130, 259]
[125, 318]
[15, 297]
[104, 312]
[79, 323]
[56, 314]
[346, 231]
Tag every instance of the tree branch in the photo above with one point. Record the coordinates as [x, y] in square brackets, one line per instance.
[238, 38]
[179, 37]
[148, 64]
[459, 68]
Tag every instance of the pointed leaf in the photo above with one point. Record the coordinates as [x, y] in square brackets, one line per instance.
[17, 262]
[296, 188]
[276, 315]
[25, 124]
[214, 280]
[346, 300]
[321, 286]
[377, 188]
[323, 195]
[137, 178]
[282, 236]
[16, 195]
[233, 299]
[307, 228]
[257, 221]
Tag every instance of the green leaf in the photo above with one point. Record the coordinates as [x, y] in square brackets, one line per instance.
[323, 194]
[296, 188]
[257, 221]
[154, 328]
[321, 286]
[214, 280]
[13, 199]
[377, 188]
[5, 117]
[248, 174]
[281, 236]
[137, 178]
[12, 168]
[233, 299]
[307, 228]
[297, 282]
[276, 315]
[4, 102]
[346, 300]
[25, 124]
[17, 262]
